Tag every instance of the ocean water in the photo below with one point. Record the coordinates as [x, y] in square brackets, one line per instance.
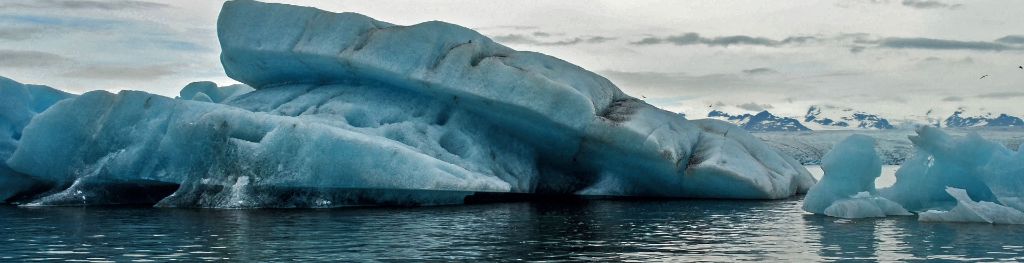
[544, 230]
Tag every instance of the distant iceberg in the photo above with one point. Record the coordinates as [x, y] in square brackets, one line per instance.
[952, 179]
[848, 188]
[348, 110]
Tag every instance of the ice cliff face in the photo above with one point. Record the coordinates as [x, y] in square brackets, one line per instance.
[348, 110]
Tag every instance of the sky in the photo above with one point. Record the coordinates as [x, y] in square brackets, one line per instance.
[898, 58]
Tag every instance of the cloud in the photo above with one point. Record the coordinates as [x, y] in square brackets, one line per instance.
[1002, 95]
[941, 44]
[928, 4]
[953, 98]
[29, 59]
[599, 39]
[83, 4]
[750, 106]
[759, 71]
[527, 40]
[857, 43]
[19, 33]
[724, 41]
[1012, 39]
[53, 21]
[123, 72]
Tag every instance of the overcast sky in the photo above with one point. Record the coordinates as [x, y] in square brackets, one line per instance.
[898, 58]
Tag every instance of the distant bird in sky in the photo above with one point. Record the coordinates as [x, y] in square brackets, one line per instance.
[1020, 67]
[642, 96]
[983, 76]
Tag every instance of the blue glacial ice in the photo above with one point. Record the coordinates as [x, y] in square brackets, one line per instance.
[967, 179]
[847, 189]
[969, 211]
[19, 103]
[348, 110]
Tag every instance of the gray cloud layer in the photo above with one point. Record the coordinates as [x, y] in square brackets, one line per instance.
[856, 42]
[19, 33]
[750, 106]
[724, 41]
[931, 43]
[1012, 39]
[759, 71]
[928, 4]
[523, 39]
[1002, 95]
[84, 4]
[123, 73]
[29, 59]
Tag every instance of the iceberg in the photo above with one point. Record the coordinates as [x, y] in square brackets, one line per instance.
[971, 163]
[950, 179]
[847, 189]
[347, 110]
[969, 211]
[19, 103]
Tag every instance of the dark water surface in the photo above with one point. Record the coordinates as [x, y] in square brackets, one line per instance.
[605, 230]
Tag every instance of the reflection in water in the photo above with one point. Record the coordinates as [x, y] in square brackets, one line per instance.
[606, 230]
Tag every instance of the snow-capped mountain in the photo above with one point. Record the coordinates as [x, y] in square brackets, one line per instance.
[762, 121]
[960, 119]
[826, 117]
[831, 117]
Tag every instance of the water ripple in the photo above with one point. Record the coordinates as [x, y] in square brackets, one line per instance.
[607, 230]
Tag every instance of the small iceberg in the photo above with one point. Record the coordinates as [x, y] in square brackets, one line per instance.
[847, 189]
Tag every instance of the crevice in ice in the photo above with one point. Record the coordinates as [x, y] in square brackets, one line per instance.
[444, 55]
[364, 39]
[480, 57]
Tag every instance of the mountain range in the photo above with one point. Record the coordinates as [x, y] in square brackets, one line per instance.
[841, 118]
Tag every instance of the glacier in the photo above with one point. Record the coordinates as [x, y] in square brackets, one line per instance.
[847, 189]
[346, 110]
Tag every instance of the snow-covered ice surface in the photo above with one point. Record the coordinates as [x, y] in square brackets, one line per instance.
[848, 188]
[348, 110]
[19, 103]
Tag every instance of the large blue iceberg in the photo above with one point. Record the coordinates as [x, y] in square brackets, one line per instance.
[348, 110]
